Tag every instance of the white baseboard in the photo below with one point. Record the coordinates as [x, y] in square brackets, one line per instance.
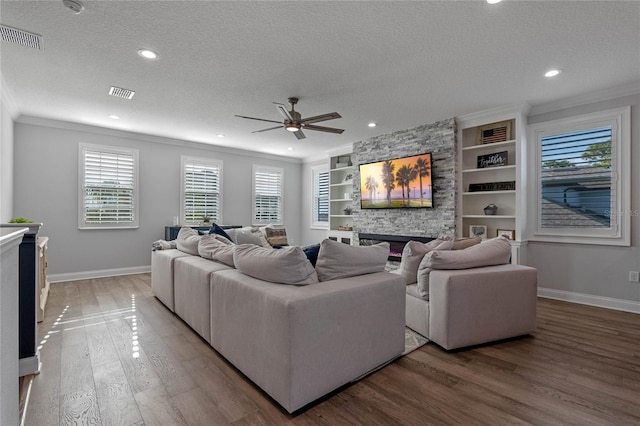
[589, 299]
[101, 273]
[29, 365]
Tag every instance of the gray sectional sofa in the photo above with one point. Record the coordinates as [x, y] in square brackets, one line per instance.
[297, 343]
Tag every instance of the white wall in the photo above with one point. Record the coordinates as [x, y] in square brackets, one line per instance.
[46, 190]
[6, 155]
[592, 273]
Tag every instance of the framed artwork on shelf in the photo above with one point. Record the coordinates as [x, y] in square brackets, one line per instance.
[497, 159]
[478, 231]
[494, 132]
[509, 233]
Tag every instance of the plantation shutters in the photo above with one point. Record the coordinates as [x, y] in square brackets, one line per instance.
[576, 179]
[108, 187]
[267, 195]
[201, 188]
[320, 198]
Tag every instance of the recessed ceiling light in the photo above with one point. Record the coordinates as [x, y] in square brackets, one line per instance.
[493, 1]
[148, 54]
[372, 124]
[291, 148]
[552, 73]
[220, 135]
[114, 117]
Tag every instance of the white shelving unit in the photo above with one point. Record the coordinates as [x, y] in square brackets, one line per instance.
[511, 212]
[341, 174]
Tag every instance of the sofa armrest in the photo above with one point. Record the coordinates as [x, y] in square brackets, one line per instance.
[480, 305]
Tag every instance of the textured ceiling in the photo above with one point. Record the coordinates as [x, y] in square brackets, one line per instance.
[400, 64]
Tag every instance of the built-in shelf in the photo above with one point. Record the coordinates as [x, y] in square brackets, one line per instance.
[490, 169]
[510, 191]
[340, 196]
[490, 146]
[346, 183]
[487, 216]
[341, 199]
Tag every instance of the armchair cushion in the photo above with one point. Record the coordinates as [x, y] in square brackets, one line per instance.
[495, 251]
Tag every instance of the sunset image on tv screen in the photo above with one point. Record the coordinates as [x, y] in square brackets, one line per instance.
[399, 183]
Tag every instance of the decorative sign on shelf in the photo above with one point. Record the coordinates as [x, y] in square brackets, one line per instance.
[495, 132]
[493, 186]
[497, 159]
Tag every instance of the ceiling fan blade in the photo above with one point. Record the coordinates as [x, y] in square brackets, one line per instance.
[283, 111]
[322, 117]
[270, 128]
[259, 119]
[299, 134]
[322, 128]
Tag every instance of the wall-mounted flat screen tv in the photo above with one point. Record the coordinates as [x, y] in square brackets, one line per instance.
[396, 184]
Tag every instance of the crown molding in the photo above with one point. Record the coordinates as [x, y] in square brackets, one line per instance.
[65, 125]
[494, 114]
[628, 89]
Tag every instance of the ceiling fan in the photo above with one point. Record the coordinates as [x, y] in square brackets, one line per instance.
[294, 123]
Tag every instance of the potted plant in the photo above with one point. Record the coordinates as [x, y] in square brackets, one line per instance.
[206, 219]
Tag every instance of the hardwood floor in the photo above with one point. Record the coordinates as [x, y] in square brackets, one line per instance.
[113, 354]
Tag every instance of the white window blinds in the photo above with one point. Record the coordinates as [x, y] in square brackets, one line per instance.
[201, 188]
[108, 187]
[320, 197]
[267, 195]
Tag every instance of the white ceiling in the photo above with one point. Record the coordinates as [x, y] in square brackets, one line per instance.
[400, 64]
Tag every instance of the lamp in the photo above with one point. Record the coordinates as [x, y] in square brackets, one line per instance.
[292, 127]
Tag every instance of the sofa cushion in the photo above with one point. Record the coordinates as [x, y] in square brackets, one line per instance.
[495, 251]
[463, 243]
[413, 253]
[423, 279]
[250, 235]
[187, 240]
[288, 265]
[277, 236]
[339, 260]
[211, 247]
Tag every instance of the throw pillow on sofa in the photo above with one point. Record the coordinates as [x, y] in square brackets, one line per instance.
[495, 251]
[413, 253]
[277, 237]
[211, 247]
[463, 243]
[339, 260]
[289, 265]
[187, 240]
[217, 230]
[250, 235]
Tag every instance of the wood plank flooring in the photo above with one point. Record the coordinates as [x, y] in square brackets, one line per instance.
[112, 354]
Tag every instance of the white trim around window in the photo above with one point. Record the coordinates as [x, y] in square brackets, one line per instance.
[107, 187]
[555, 166]
[200, 190]
[267, 195]
[319, 197]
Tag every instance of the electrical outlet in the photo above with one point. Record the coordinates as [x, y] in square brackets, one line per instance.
[634, 276]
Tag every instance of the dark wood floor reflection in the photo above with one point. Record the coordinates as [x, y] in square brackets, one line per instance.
[112, 354]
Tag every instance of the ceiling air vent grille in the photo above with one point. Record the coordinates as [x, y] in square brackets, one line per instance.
[23, 38]
[119, 92]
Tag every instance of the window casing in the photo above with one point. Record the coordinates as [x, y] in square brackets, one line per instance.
[320, 197]
[267, 195]
[108, 187]
[581, 190]
[201, 190]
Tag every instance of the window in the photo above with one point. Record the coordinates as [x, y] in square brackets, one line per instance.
[108, 187]
[267, 195]
[201, 188]
[583, 179]
[320, 195]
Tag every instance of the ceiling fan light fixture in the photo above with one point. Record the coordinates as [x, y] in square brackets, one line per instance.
[148, 54]
[292, 127]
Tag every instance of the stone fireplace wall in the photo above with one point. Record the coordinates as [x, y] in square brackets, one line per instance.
[439, 138]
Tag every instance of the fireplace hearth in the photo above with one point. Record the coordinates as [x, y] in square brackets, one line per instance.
[396, 242]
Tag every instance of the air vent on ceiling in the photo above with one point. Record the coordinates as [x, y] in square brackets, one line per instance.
[21, 37]
[119, 92]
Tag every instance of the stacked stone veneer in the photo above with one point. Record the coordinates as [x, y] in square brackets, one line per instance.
[439, 139]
